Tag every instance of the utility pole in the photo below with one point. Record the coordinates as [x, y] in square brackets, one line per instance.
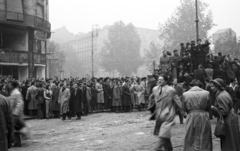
[197, 21]
[92, 49]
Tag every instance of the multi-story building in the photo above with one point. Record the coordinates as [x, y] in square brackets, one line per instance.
[24, 30]
[82, 47]
[222, 34]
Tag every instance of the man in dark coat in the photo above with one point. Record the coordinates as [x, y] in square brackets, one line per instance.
[24, 93]
[6, 124]
[55, 106]
[233, 90]
[126, 97]
[107, 94]
[193, 52]
[203, 50]
[71, 101]
[200, 74]
[84, 99]
[77, 101]
[182, 50]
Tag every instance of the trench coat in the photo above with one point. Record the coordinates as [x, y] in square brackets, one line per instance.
[198, 135]
[6, 124]
[77, 100]
[31, 96]
[55, 106]
[116, 96]
[167, 103]
[140, 92]
[132, 94]
[100, 93]
[63, 99]
[224, 105]
[126, 99]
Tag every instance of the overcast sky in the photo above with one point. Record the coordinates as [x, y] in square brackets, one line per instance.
[80, 15]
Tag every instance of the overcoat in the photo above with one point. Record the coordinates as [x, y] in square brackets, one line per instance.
[132, 94]
[55, 106]
[94, 96]
[224, 105]
[198, 127]
[116, 96]
[71, 101]
[6, 124]
[126, 99]
[100, 93]
[31, 95]
[167, 103]
[140, 92]
[63, 99]
[77, 100]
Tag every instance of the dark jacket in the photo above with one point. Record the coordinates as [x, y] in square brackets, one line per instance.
[71, 101]
[55, 105]
[78, 100]
[126, 100]
[6, 124]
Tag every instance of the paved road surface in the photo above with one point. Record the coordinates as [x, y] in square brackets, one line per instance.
[99, 132]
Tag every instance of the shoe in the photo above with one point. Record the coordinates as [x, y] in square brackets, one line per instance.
[78, 118]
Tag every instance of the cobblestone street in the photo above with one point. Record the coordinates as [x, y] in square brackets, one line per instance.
[99, 132]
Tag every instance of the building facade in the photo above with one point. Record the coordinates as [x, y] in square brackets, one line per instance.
[221, 34]
[24, 30]
[82, 47]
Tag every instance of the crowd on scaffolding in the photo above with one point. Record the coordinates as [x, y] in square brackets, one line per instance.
[207, 87]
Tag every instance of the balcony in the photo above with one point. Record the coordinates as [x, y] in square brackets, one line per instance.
[9, 56]
[24, 20]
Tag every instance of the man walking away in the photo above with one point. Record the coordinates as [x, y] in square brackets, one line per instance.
[6, 124]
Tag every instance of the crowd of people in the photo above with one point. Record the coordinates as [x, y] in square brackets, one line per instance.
[193, 85]
[199, 86]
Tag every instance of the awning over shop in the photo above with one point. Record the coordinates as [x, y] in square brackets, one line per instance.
[40, 65]
[13, 64]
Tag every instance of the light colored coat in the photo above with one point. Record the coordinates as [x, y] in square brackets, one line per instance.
[63, 99]
[100, 97]
[198, 127]
[166, 105]
[31, 95]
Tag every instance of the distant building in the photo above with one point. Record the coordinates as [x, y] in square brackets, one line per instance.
[220, 34]
[24, 29]
[82, 47]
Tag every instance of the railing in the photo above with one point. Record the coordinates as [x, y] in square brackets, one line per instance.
[25, 20]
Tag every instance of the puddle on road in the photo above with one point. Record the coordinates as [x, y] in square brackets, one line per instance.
[140, 133]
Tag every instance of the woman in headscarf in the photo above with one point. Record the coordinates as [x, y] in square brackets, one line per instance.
[224, 106]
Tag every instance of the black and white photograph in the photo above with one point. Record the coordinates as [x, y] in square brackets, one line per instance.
[119, 75]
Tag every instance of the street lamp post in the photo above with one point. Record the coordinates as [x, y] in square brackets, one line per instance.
[197, 21]
[92, 49]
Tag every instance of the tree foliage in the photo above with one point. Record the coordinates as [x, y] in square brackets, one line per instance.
[121, 51]
[57, 57]
[74, 67]
[228, 44]
[153, 54]
[181, 26]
